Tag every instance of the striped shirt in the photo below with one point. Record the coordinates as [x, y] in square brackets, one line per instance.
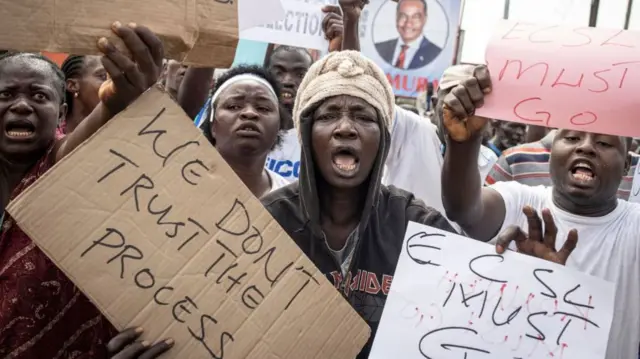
[529, 164]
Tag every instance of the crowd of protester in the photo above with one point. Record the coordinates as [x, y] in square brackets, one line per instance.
[366, 167]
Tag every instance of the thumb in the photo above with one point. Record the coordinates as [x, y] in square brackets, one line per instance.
[568, 246]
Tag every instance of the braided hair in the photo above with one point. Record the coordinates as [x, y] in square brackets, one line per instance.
[59, 80]
[72, 67]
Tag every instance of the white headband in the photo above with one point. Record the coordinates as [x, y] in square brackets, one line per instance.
[235, 79]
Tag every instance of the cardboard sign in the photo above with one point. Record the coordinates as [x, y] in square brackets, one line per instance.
[156, 229]
[566, 77]
[208, 27]
[301, 26]
[454, 297]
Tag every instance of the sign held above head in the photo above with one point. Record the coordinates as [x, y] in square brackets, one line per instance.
[557, 76]
[201, 32]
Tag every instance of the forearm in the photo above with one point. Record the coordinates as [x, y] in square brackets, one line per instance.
[90, 125]
[194, 90]
[351, 38]
[461, 185]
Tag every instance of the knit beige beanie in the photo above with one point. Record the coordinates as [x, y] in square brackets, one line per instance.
[454, 75]
[345, 73]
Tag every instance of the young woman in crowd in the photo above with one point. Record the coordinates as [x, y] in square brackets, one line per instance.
[244, 123]
[42, 314]
[586, 170]
[83, 76]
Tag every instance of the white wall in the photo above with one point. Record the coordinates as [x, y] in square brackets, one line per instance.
[479, 17]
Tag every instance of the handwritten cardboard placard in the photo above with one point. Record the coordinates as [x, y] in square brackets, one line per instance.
[452, 296]
[157, 230]
[301, 27]
[566, 77]
[209, 29]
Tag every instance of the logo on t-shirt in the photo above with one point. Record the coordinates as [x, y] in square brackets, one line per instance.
[288, 169]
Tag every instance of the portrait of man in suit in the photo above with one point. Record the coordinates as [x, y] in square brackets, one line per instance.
[411, 50]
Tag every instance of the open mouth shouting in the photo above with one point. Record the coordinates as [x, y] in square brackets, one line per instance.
[345, 161]
[287, 96]
[19, 130]
[248, 130]
[582, 172]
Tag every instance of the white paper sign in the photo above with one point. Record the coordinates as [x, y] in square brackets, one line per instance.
[453, 298]
[252, 13]
[300, 27]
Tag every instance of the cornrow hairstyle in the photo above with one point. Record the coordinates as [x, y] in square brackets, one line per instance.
[240, 70]
[72, 67]
[285, 48]
[59, 76]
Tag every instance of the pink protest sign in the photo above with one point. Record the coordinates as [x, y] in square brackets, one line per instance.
[579, 78]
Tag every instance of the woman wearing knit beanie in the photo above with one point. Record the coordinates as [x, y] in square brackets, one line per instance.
[339, 213]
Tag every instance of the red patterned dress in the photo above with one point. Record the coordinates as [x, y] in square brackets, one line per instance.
[42, 314]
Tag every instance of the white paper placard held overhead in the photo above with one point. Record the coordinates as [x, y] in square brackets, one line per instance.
[252, 13]
[453, 297]
[301, 26]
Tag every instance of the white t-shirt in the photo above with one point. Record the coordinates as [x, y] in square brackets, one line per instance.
[608, 248]
[277, 181]
[486, 159]
[284, 160]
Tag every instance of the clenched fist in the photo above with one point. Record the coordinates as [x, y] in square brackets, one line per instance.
[464, 91]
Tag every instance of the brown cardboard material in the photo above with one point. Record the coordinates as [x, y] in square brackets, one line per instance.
[210, 27]
[156, 229]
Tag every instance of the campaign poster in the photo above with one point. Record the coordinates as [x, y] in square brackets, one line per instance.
[413, 41]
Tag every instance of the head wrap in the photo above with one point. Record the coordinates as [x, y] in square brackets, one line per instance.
[345, 73]
[235, 79]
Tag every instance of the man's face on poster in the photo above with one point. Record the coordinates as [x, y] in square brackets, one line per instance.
[411, 17]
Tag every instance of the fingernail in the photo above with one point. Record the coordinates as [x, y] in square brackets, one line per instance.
[169, 342]
[139, 330]
[145, 343]
[116, 25]
[103, 43]
[132, 25]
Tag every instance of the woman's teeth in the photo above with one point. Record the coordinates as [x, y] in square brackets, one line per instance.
[20, 133]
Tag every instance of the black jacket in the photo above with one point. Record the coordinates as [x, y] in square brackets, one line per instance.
[380, 233]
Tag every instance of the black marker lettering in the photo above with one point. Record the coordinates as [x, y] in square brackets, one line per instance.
[163, 213]
[139, 183]
[482, 257]
[268, 254]
[100, 242]
[231, 217]
[453, 287]
[193, 236]
[466, 299]
[450, 346]
[249, 300]
[562, 332]
[511, 316]
[535, 274]
[541, 337]
[206, 274]
[159, 133]
[254, 238]
[123, 256]
[226, 248]
[417, 236]
[182, 305]
[304, 271]
[122, 164]
[148, 274]
[577, 317]
[157, 294]
[225, 337]
[566, 300]
[185, 170]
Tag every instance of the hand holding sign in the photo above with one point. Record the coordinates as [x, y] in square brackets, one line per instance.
[536, 244]
[461, 101]
[129, 78]
[126, 346]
